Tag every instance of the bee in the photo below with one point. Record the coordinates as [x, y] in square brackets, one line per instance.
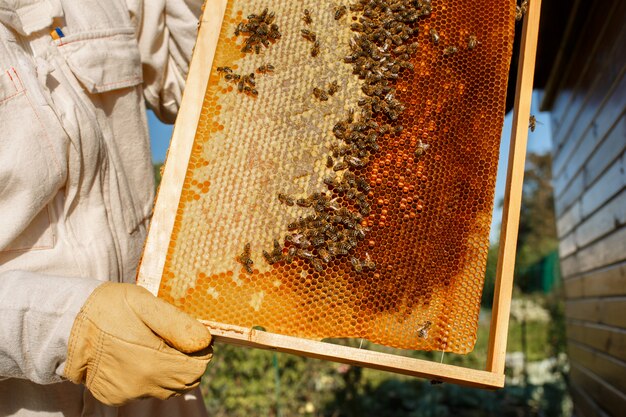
[450, 50]
[340, 166]
[422, 332]
[330, 181]
[303, 202]
[315, 51]
[368, 263]
[421, 149]
[335, 250]
[340, 12]
[524, 7]
[356, 264]
[320, 94]
[363, 185]
[265, 69]
[262, 30]
[350, 118]
[249, 79]
[268, 258]
[329, 162]
[252, 91]
[472, 42]
[308, 35]
[333, 88]
[357, 27]
[518, 13]
[306, 18]
[285, 199]
[299, 240]
[288, 259]
[305, 254]
[274, 32]
[239, 29]
[400, 50]
[225, 70]
[434, 36]
[317, 264]
[354, 161]
[324, 255]
[532, 123]
[244, 258]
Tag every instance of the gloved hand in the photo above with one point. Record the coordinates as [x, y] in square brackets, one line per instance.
[127, 344]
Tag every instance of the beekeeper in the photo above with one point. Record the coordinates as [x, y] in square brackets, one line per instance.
[76, 191]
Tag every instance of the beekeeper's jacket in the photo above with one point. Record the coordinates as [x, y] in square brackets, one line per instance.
[76, 179]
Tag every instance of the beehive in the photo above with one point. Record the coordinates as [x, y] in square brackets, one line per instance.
[390, 236]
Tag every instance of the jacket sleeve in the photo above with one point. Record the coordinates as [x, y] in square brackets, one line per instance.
[38, 312]
[166, 31]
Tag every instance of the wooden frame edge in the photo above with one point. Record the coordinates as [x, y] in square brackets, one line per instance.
[503, 291]
[157, 243]
[252, 338]
[162, 223]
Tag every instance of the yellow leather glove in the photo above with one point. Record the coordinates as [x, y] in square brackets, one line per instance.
[127, 344]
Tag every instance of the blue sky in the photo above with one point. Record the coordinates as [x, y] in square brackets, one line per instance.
[539, 141]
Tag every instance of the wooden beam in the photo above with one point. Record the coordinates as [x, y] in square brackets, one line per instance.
[168, 197]
[252, 338]
[513, 195]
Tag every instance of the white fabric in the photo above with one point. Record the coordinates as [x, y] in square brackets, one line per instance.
[76, 180]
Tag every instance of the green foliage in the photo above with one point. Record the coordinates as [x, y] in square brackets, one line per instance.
[402, 397]
[157, 173]
[537, 231]
[490, 277]
[557, 338]
[242, 382]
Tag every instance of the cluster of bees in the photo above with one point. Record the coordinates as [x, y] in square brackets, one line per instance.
[259, 30]
[312, 37]
[245, 260]
[333, 230]
[322, 95]
[379, 51]
[245, 83]
[472, 42]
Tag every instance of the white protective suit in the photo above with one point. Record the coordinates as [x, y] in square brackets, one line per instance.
[76, 179]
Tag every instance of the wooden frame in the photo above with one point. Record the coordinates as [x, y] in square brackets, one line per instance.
[149, 274]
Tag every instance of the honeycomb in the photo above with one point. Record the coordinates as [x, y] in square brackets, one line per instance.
[343, 170]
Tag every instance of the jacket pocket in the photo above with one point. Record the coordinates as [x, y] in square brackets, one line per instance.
[33, 167]
[107, 64]
[103, 60]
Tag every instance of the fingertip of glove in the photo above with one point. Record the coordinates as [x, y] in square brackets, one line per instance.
[198, 337]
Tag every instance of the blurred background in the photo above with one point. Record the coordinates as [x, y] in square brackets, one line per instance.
[567, 336]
